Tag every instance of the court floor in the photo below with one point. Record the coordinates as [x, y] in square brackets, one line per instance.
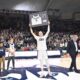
[29, 69]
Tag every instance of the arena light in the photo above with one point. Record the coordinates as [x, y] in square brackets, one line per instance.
[23, 6]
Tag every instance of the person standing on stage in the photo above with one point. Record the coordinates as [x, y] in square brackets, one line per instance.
[11, 52]
[42, 48]
[72, 49]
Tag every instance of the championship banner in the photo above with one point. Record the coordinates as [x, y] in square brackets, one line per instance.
[38, 19]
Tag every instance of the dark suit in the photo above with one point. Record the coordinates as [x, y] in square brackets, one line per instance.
[78, 42]
[71, 49]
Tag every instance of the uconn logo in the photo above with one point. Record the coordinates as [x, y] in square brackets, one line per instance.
[33, 74]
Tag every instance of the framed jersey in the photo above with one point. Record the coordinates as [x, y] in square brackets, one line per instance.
[38, 19]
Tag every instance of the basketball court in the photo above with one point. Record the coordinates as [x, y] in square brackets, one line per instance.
[29, 69]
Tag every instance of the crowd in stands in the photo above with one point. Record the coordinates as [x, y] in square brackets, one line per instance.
[16, 26]
[25, 41]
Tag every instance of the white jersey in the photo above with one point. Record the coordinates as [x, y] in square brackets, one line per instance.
[41, 43]
[11, 48]
[36, 20]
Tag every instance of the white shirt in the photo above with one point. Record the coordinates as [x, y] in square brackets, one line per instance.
[41, 43]
[11, 48]
[75, 43]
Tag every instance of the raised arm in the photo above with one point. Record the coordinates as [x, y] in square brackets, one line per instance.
[48, 29]
[32, 32]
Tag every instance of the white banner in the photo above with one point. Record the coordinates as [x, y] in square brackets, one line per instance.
[33, 53]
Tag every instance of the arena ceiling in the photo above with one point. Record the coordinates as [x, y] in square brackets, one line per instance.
[66, 7]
